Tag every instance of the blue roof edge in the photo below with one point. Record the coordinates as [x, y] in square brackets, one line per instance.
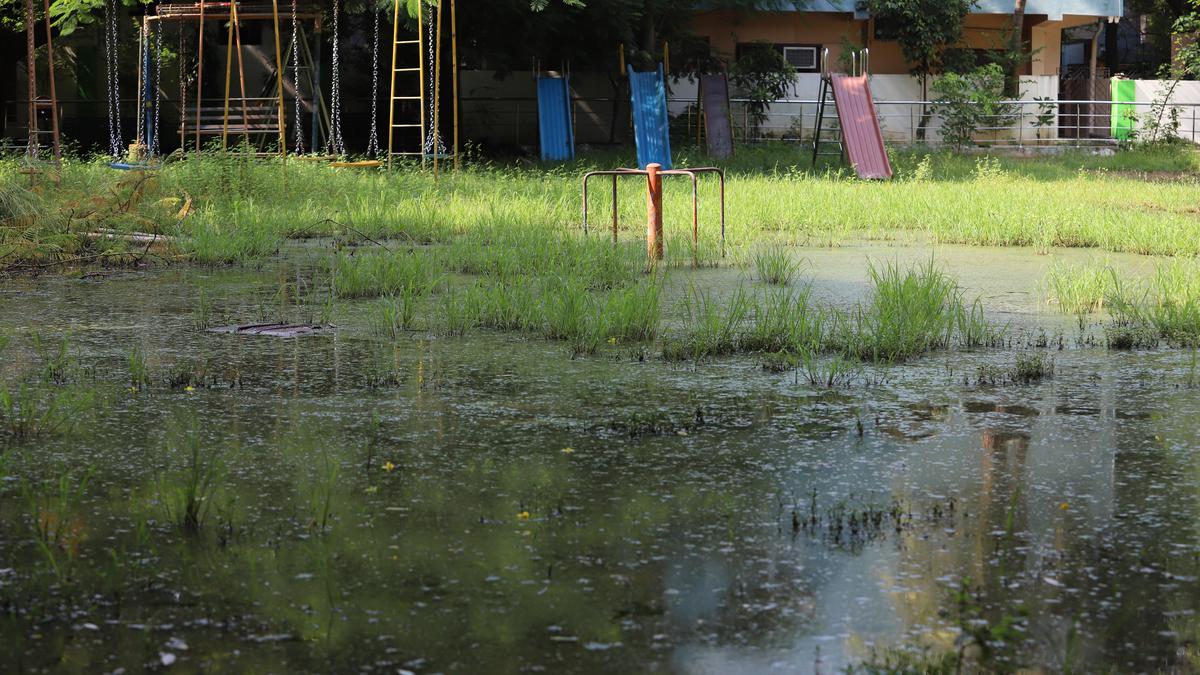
[1052, 8]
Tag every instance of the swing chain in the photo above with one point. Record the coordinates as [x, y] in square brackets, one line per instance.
[373, 139]
[154, 146]
[183, 87]
[433, 140]
[141, 94]
[336, 144]
[114, 84]
[298, 122]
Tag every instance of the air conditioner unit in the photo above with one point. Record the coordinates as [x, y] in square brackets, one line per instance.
[801, 58]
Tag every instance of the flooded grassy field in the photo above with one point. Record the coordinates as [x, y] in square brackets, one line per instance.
[499, 502]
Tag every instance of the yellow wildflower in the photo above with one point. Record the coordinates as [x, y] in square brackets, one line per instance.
[524, 515]
[568, 450]
[388, 466]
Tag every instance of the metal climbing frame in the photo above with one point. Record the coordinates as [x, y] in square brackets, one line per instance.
[235, 13]
[428, 85]
[694, 174]
[35, 104]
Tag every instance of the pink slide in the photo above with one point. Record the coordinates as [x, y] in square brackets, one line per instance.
[860, 127]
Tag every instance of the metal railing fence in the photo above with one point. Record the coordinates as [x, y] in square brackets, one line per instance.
[1022, 123]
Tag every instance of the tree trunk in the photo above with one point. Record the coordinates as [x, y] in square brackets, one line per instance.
[926, 113]
[1013, 85]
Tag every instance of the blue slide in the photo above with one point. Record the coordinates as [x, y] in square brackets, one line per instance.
[650, 126]
[555, 125]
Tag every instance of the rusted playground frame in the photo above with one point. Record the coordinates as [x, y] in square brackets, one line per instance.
[654, 227]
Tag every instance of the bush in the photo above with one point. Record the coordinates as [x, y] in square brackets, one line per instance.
[970, 101]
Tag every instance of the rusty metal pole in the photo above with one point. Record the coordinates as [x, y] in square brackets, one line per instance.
[31, 73]
[614, 204]
[53, 93]
[654, 219]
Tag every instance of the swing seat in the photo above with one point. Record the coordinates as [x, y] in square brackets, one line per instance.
[132, 166]
[362, 164]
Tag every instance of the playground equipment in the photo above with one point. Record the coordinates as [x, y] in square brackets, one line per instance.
[143, 154]
[418, 117]
[556, 128]
[36, 104]
[858, 137]
[648, 94]
[654, 214]
[713, 104]
[240, 114]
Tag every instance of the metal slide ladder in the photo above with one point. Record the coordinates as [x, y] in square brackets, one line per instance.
[401, 116]
[825, 104]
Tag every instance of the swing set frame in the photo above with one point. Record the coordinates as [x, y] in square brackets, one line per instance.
[235, 12]
[203, 11]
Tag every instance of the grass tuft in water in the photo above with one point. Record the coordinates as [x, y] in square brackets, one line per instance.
[711, 328]
[53, 513]
[774, 266]
[1079, 289]
[139, 373]
[376, 273]
[909, 313]
[188, 497]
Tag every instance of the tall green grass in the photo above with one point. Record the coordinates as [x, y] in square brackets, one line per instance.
[375, 273]
[502, 220]
[1167, 306]
[909, 312]
[1079, 289]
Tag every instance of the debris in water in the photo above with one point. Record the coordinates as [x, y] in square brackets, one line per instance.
[275, 329]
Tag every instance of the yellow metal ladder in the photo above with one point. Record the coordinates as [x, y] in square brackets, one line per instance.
[401, 78]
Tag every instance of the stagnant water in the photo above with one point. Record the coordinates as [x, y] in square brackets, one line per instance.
[496, 505]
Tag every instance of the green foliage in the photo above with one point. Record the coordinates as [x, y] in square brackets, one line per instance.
[923, 28]
[762, 76]
[970, 102]
[1186, 61]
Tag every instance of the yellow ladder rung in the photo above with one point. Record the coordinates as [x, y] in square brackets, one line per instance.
[407, 42]
[406, 70]
[406, 126]
[406, 98]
